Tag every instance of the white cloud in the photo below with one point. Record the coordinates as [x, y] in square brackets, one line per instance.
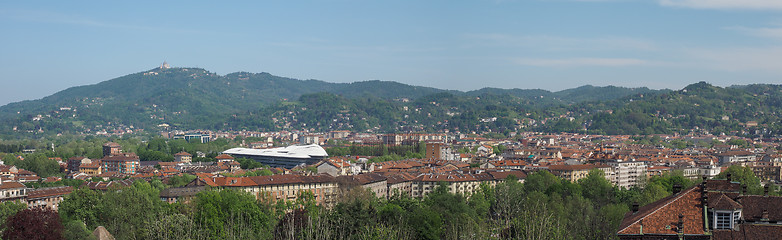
[725, 4]
[578, 62]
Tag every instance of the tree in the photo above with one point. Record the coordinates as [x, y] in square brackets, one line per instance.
[33, 224]
[81, 205]
[126, 212]
[226, 213]
[597, 188]
[246, 163]
[8, 209]
[77, 230]
[179, 181]
[745, 176]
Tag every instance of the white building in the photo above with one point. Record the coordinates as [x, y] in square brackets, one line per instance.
[626, 174]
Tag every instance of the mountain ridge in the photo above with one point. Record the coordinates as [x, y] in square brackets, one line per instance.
[193, 98]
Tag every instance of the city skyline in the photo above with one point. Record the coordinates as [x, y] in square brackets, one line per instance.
[464, 45]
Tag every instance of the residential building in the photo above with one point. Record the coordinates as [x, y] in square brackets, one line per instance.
[412, 138]
[93, 168]
[8, 172]
[47, 197]
[627, 173]
[458, 183]
[224, 158]
[713, 209]
[376, 183]
[572, 173]
[123, 164]
[710, 171]
[184, 157]
[399, 183]
[733, 157]
[279, 187]
[180, 194]
[111, 149]
[336, 167]
[12, 191]
[75, 162]
[439, 151]
[767, 173]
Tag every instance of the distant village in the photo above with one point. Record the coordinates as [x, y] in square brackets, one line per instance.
[305, 166]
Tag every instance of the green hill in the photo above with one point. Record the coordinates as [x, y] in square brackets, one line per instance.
[193, 98]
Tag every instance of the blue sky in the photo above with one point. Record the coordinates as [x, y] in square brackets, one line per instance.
[48, 46]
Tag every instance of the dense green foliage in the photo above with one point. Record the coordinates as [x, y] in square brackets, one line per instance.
[543, 207]
[7, 209]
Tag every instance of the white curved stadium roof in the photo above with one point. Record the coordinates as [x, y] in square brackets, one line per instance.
[294, 151]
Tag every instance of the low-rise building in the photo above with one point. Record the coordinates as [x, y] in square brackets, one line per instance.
[12, 191]
[734, 157]
[47, 197]
[92, 169]
[181, 194]
[75, 162]
[183, 156]
[376, 183]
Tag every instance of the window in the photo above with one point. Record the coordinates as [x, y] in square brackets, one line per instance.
[722, 220]
[736, 216]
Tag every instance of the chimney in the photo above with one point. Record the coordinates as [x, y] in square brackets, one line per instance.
[743, 189]
[765, 190]
[635, 207]
[680, 227]
[730, 178]
[677, 188]
[764, 216]
[641, 224]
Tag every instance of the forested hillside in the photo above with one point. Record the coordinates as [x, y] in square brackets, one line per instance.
[193, 98]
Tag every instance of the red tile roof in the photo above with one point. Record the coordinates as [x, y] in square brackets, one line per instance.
[661, 216]
[11, 185]
[754, 206]
[749, 232]
[183, 154]
[724, 203]
[49, 192]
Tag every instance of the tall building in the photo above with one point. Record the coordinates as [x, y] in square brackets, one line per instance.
[439, 151]
[111, 149]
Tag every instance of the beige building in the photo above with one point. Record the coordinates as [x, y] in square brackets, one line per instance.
[376, 183]
[47, 197]
[183, 157]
